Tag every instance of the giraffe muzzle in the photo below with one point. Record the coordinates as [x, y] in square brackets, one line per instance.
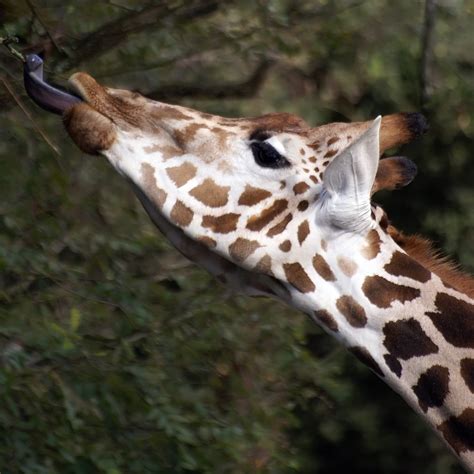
[43, 94]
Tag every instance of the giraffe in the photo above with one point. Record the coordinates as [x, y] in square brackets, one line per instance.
[275, 207]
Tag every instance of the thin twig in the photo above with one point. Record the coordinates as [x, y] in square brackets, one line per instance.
[112, 34]
[7, 42]
[123, 7]
[10, 90]
[37, 15]
[247, 88]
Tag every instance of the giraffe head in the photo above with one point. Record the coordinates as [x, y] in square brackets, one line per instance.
[260, 192]
[285, 208]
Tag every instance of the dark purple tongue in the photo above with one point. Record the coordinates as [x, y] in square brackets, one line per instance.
[47, 97]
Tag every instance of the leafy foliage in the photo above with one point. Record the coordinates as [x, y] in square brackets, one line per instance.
[116, 354]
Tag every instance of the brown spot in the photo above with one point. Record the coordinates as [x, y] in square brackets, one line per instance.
[326, 318]
[315, 145]
[166, 151]
[330, 153]
[279, 122]
[303, 231]
[403, 265]
[280, 227]
[220, 130]
[169, 151]
[156, 194]
[221, 224]
[432, 387]
[211, 194]
[467, 372]
[314, 179]
[364, 356]
[242, 248]
[207, 241]
[459, 431]
[454, 320]
[383, 293]
[258, 222]
[181, 174]
[352, 311]
[372, 249]
[184, 137]
[321, 266]
[285, 246]
[181, 215]
[332, 140]
[301, 187]
[302, 152]
[324, 245]
[303, 205]
[347, 266]
[393, 364]
[312, 159]
[405, 339]
[152, 148]
[297, 277]
[264, 265]
[252, 196]
[423, 252]
[171, 112]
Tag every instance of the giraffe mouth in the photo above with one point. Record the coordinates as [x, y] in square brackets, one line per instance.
[92, 122]
[104, 113]
[97, 97]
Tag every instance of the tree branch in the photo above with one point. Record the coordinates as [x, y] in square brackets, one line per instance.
[39, 17]
[112, 34]
[40, 131]
[248, 88]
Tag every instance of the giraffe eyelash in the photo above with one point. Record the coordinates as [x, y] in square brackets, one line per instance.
[259, 135]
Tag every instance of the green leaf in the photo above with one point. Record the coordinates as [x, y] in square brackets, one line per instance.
[74, 319]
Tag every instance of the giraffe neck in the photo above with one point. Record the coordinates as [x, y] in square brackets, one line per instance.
[410, 327]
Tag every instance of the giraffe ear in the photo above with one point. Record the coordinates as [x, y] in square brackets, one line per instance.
[348, 181]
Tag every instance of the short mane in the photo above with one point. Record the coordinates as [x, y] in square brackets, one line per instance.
[423, 251]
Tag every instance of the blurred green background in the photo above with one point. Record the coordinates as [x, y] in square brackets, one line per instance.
[117, 355]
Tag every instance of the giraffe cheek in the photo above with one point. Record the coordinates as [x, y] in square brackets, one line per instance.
[90, 131]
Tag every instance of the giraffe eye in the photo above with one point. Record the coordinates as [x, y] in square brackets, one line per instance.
[266, 156]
